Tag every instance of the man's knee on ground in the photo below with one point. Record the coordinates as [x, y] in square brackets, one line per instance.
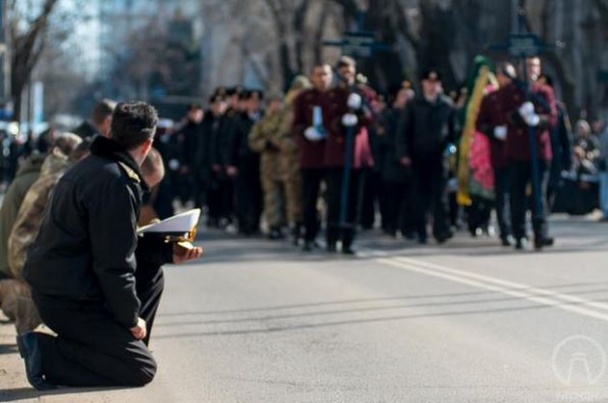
[142, 373]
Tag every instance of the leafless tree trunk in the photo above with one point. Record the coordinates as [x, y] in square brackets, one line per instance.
[26, 48]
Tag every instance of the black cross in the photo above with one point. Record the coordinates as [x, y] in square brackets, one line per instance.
[522, 45]
[359, 44]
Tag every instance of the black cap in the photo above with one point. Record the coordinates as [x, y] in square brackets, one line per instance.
[431, 75]
[222, 91]
[236, 90]
[216, 98]
[259, 94]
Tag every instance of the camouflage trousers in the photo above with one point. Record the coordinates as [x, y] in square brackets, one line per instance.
[293, 196]
[282, 200]
[17, 304]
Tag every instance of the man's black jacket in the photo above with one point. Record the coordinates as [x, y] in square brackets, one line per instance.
[425, 128]
[84, 253]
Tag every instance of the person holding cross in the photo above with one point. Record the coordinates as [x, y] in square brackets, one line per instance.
[528, 113]
[309, 128]
[347, 149]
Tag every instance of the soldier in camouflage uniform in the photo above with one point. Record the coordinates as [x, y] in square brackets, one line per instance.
[290, 158]
[17, 302]
[34, 205]
[264, 139]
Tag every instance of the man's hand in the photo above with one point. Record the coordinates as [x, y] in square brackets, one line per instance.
[406, 161]
[500, 133]
[139, 331]
[185, 252]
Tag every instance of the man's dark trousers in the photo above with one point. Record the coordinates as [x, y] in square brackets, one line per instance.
[92, 349]
[311, 186]
[520, 176]
[430, 195]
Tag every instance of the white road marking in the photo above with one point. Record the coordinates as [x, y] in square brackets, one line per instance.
[521, 291]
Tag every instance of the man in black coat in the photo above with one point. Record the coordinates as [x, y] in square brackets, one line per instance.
[243, 165]
[396, 178]
[219, 188]
[82, 266]
[425, 129]
[191, 136]
[99, 122]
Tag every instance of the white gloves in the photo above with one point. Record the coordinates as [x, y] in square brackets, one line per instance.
[354, 101]
[350, 120]
[500, 132]
[313, 134]
[527, 113]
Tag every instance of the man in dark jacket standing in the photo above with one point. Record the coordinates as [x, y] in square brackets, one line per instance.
[425, 129]
[82, 266]
[396, 178]
[243, 164]
[99, 122]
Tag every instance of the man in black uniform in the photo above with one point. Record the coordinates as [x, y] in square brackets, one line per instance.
[190, 134]
[82, 266]
[99, 122]
[243, 165]
[425, 129]
[219, 192]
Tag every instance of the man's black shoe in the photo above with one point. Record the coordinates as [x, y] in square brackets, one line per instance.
[348, 250]
[540, 243]
[521, 243]
[508, 240]
[275, 234]
[30, 352]
[331, 248]
[308, 246]
[443, 238]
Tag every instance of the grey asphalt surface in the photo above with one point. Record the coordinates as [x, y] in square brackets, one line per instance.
[469, 321]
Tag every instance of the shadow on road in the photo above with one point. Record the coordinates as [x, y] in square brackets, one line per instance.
[19, 394]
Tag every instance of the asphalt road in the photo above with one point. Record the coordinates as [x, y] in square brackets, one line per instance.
[469, 321]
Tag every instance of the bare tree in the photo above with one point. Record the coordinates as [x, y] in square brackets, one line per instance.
[28, 38]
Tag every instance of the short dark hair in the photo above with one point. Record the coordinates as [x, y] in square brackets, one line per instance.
[133, 123]
[346, 61]
[102, 110]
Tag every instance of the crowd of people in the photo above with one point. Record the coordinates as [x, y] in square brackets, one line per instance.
[415, 155]
[331, 154]
[276, 164]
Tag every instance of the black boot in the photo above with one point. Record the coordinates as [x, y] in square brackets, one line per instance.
[275, 234]
[30, 352]
[542, 242]
[348, 236]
